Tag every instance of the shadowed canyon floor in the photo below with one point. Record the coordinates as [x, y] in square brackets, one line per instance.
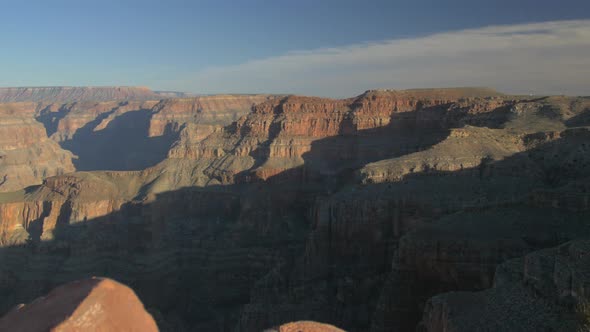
[389, 211]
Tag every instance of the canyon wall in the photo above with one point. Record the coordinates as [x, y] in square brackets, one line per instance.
[27, 155]
[105, 135]
[543, 290]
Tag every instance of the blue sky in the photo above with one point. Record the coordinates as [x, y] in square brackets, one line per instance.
[286, 46]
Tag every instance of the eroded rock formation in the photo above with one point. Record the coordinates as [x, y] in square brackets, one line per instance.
[105, 135]
[27, 155]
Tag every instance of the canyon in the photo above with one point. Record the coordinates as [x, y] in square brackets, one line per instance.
[395, 210]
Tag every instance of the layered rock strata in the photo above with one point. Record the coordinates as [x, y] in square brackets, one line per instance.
[27, 155]
[104, 135]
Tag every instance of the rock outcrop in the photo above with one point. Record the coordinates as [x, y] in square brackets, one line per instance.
[543, 291]
[95, 304]
[305, 326]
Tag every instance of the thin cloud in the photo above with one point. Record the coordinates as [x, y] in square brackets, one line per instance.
[540, 58]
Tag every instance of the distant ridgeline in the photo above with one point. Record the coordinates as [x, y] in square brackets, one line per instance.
[73, 94]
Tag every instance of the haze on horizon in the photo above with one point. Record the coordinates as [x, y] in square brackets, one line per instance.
[328, 48]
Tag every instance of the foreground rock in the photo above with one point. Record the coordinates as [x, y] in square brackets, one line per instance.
[305, 326]
[95, 304]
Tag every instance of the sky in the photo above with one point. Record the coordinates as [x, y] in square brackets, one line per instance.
[334, 48]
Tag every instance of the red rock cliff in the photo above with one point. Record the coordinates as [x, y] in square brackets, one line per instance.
[26, 154]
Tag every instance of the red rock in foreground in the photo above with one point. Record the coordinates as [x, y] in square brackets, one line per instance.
[306, 326]
[95, 304]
